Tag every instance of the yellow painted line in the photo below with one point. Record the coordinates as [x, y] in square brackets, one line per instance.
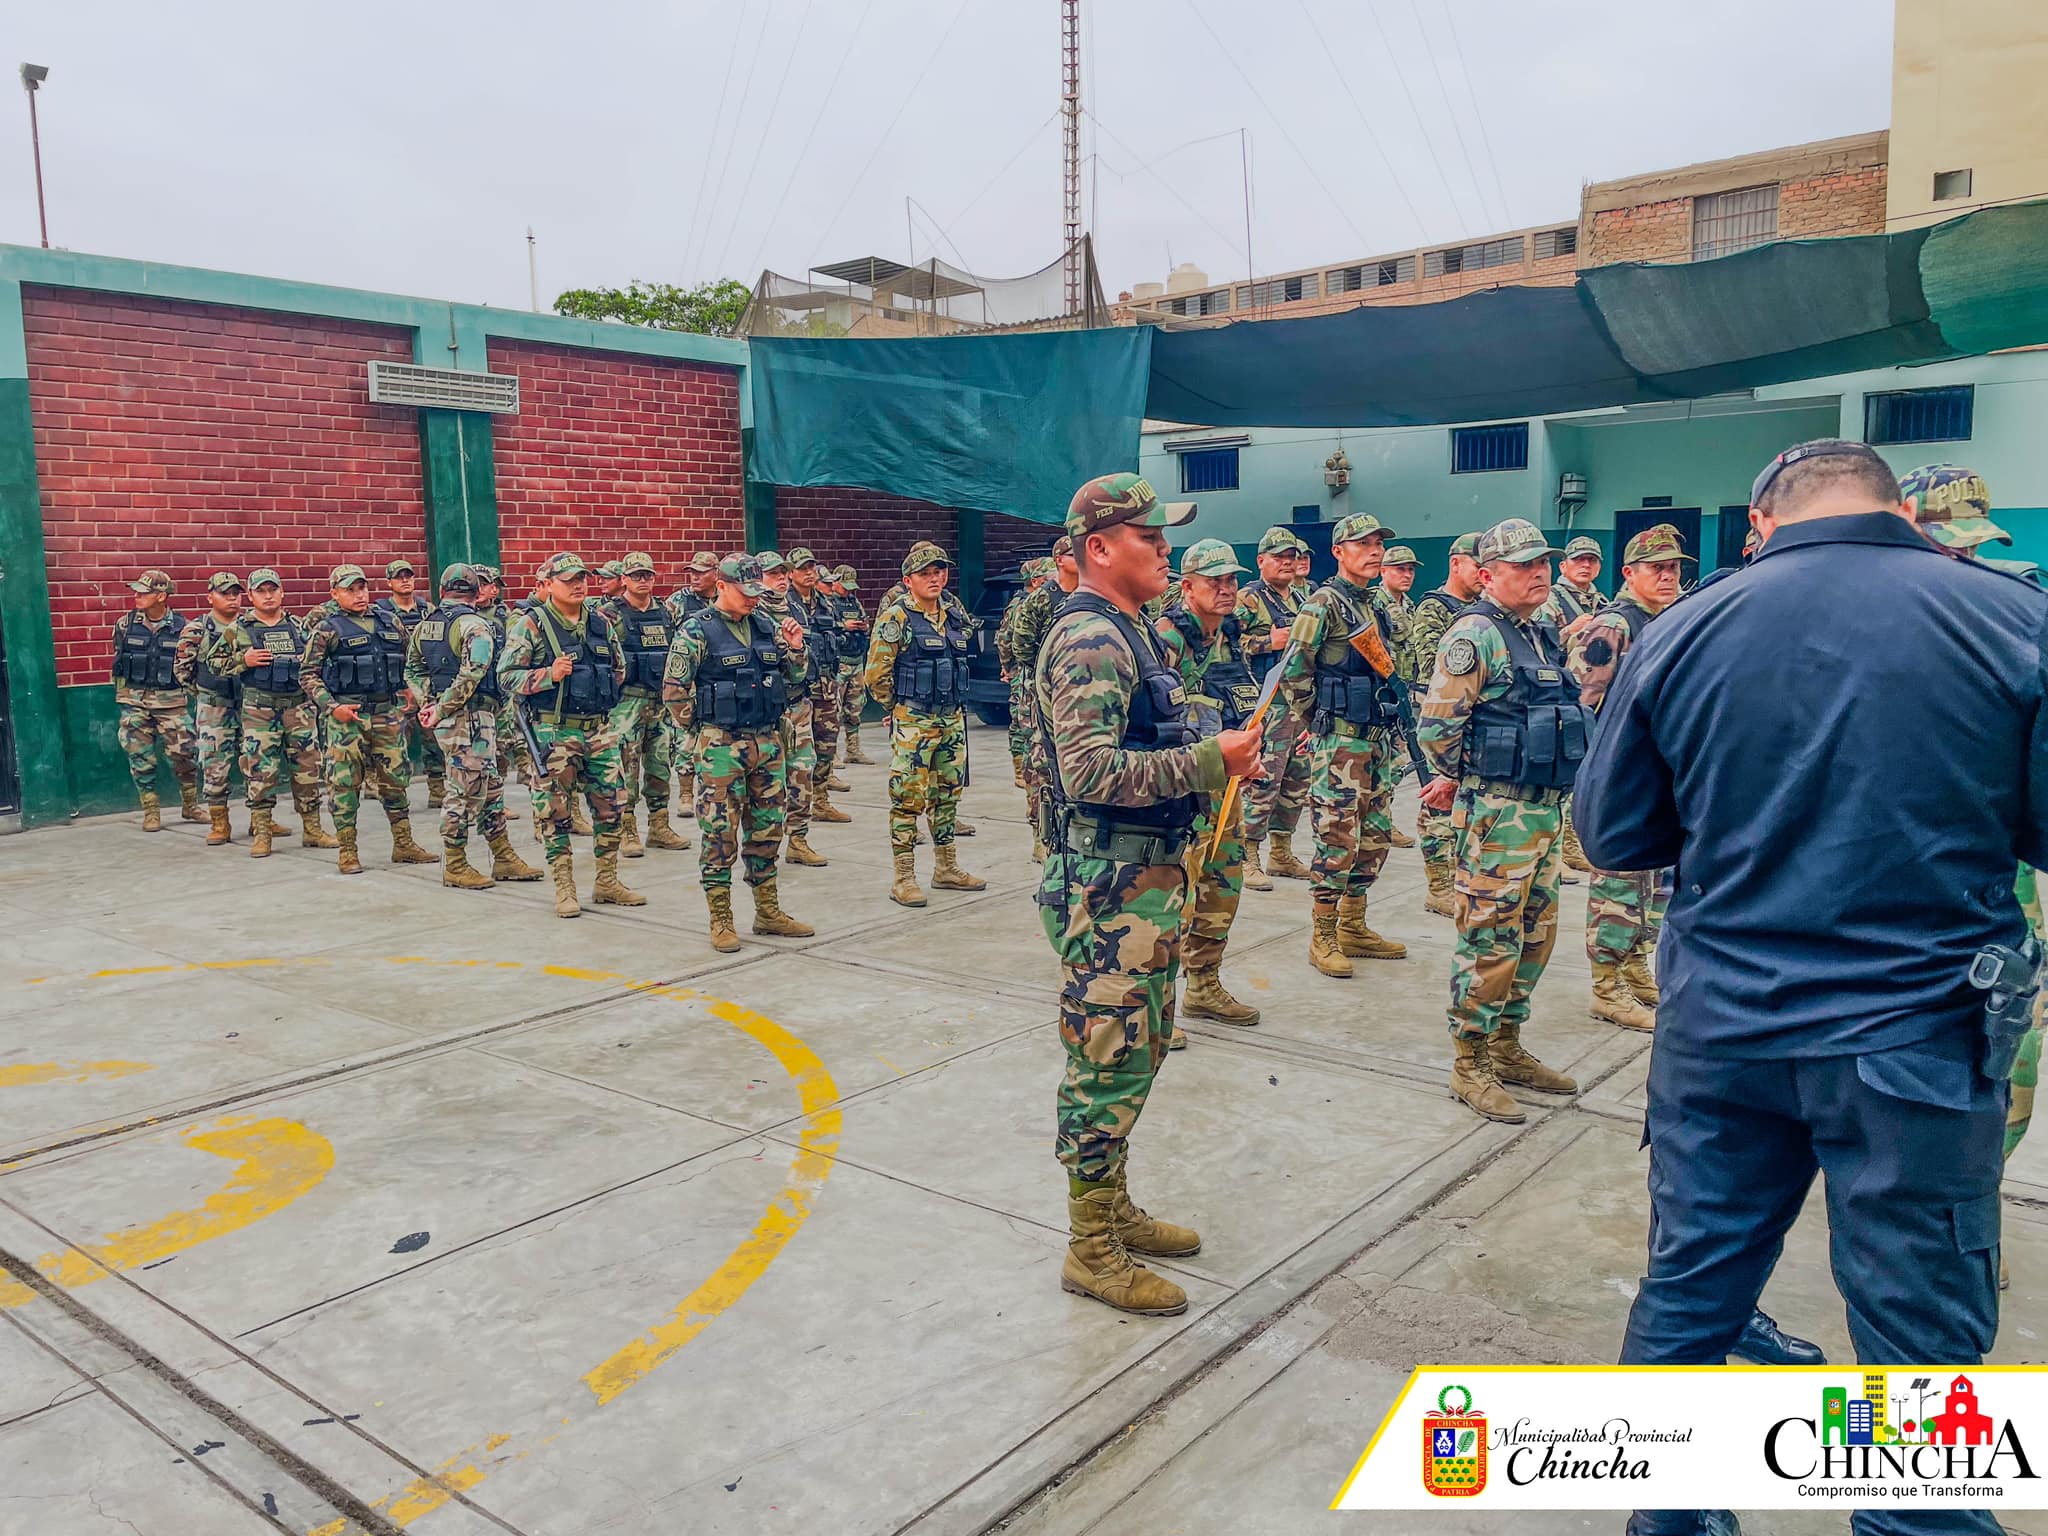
[276, 1162]
[69, 1071]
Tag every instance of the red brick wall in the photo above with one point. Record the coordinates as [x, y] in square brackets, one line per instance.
[610, 454]
[1659, 231]
[1007, 540]
[1849, 202]
[197, 438]
[872, 532]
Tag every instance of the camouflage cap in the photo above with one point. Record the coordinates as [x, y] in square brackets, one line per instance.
[1515, 540]
[613, 568]
[151, 581]
[638, 563]
[223, 581]
[848, 578]
[744, 572]
[1063, 545]
[561, 568]
[800, 556]
[923, 555]
[399, 567]
[458, 575]
[1466, 544]
[345, 576]
[1400, 554]
[1584, 544]
[1655, 544]
[771, 560]
[703, 561]
[486, 573]
[1359, 525]
[264, 576]
[1108, 500]
[1210, 557]
[1278, 541]
[1951, 505]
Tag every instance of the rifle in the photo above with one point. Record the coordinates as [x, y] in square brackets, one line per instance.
[532, 740]
[1372, 646]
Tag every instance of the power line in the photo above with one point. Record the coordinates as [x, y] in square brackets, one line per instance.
[1421, 229]
[1401, 79]
[1450, 111]
[1140, 165]
[704, 172]
[739, 118]
[1257, 96]
[1478, 116]
[988, 185]
[761, 139]
[824, 102]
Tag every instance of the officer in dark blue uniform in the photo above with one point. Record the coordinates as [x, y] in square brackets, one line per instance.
[1843, 768]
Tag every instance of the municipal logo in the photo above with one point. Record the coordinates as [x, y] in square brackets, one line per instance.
[1454, 1446]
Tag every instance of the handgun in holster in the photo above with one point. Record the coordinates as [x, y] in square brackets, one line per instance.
[2010, 981]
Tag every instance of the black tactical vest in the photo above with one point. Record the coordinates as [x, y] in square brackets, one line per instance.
[931, 662]
[1157, 718]
[367, 659]
[592, 686]
[1227, 692]
[204, 678]
[146, 657]
[684, 603]
[740, 686]
[1537, 732]
[1439, 598]
[1351, 691]
[442, 661]
[285, 639]
[1571, 605]
[407, 619]
[644, 635]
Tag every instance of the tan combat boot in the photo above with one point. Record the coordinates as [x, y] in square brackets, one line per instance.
[404, 850]
[1513, 1063]
[962, 827]
[1206, 998]
[456, 870]
[1441, 891]
[801, 852]
[437, 791]
[724, 937]
[853, 751]
[579, 819]
[1145, 1233]
[1324, 952]
[609, 890]
[906, 892]
[1613, 1001]
[947, 875]
[506, 863]
[346, 860]
[1255, 878]
[1399, 838]
[1474, 1080]
[1638, 978]
[562, 870]
[280, 828]
[660, 834]
[152, 812]
[311, 833]
[1574, 855]
[1099, 1265]
[261, 831]
[822, 808]
[686, 795]
[1017, 773]
[629, 837]
[188, 803]
[769, 917]
[1178, 1040]
[219, 832]
[1359, 941]
[1281, 863]
[833, 781]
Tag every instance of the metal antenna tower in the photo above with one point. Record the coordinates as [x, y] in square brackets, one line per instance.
[1070, 109]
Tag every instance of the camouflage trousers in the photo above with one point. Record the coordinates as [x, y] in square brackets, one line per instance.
[1116, 929]
[143, 730]
[927, 765]
[1217, 880]
[1507, 855]
[1022, 711]
[800, 765]
[1624, 912]
[853, 700]
[580, 760]
[1433, 836]
[217, 726]
[513, 758]
[824, 728]
[742, 784]
[1273, 802]
[370, 747]
[645, 764]
[279, 742]
[467, 742]
[430, 754]
[1350, 806]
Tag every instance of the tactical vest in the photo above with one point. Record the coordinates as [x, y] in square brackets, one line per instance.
[931, 662]
[443, 661]
[684, 603]
[146, 657]
[204, 678]
[592, 686]
[1537, 732]
[821, 645]
[408, 619]
[1351, 691]
[1156, 720]
[1439, 598]
[1226, 693]
[740, 686]
[367, 659]
[285, 639]
[644, 635]
[1572, 606]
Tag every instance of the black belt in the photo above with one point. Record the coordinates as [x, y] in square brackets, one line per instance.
[1353, 732]
[1533, 794]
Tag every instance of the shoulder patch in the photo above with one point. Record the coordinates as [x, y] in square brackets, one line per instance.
[1599, 651]
[1460, 657]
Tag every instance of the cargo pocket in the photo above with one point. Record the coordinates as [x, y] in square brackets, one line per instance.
[1976, 1224]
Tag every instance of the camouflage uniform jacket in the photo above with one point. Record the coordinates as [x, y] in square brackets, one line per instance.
[472, 637]
[148, 698]
[852, 620]
[686, 654]
[1320, 637]
[1426, 636]
[1568, 604]
[1397, 617]
[1086, 675]
[223, 649]
[1594, 647]
[1472, 666]
[890, 626]
[1262, 609]
[1193, 663]
[523, 664]
[193, 642]
[1006, 626]
[1028, 628]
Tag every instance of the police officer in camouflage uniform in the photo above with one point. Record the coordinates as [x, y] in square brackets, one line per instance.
[644, 630]
[686, 600]
[1434, 613]
[1397, 613]
[1027, 638]
[155, 713]
[1035, 574]
[1503, 728]
[261, 651]
[853, 661]
[1267, 609]
[216, 700]
[1575, 598]
[731, 673]
[799, 745]
[917, 670]
[512, 760]
[401, 584]
[1125, 774]
[821, 645]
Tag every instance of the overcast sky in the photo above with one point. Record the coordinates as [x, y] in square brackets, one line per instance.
[408, 146]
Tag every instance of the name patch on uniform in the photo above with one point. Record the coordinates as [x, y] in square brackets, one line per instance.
[1547, 674]
[1460, 657]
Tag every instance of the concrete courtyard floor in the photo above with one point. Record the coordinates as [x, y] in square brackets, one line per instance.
[333, 1205]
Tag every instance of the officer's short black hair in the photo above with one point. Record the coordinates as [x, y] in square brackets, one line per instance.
[1826, 465]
